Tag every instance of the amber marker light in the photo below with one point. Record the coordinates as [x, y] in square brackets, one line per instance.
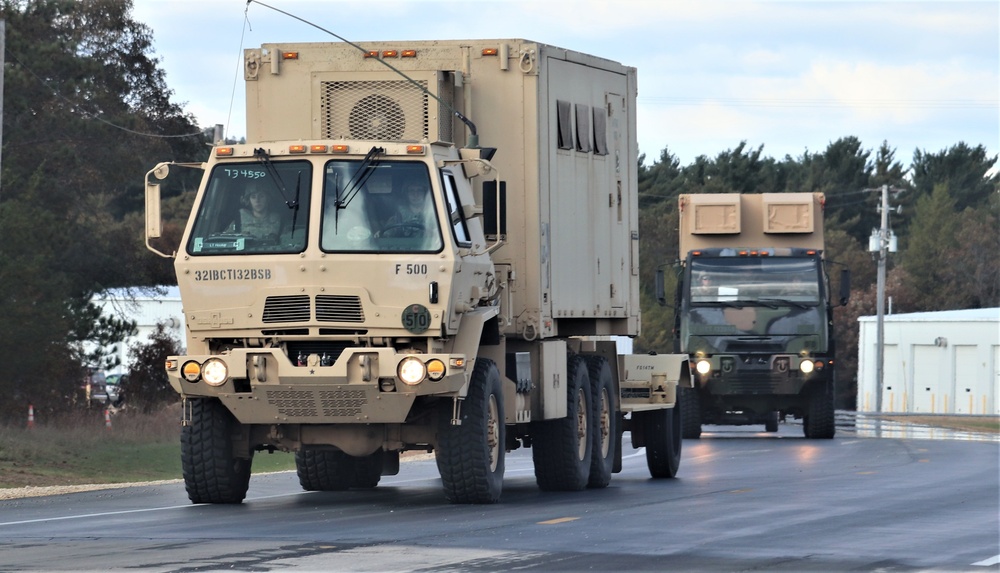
[491, 51]
[224, 151]
[191, 371]
[289, 55]
[409, 54]
[318, 148]
[435, 369]
[371, 54]
[415, 149]
[339, 148]
[297, 148]
[390, 53]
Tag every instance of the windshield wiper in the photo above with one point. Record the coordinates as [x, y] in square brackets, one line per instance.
[775, 302]
[353, 186]
[261, 155]
[709, 303]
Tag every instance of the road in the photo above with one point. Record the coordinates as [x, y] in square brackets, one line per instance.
[743, 500]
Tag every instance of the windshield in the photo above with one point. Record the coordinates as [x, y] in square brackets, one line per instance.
[739, 281]
[254, 207]
[383, 206]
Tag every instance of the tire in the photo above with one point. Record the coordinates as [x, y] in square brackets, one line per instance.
[322, 469]
[470, 457]
[562, 450]
[368, 471]
[212, 472]
[662, 429]
[690, 413]
[605, 435]
[771, 422]
[819, 422]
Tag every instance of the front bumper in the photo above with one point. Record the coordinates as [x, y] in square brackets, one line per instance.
[759, 374]
[264, 387]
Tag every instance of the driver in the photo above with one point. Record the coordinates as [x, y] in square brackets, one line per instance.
[258, 218]
[410, 218]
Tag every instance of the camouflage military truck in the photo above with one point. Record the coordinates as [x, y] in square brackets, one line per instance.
[754, 311]
[362, 278]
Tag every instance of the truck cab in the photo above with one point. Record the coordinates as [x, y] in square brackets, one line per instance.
[754, 312]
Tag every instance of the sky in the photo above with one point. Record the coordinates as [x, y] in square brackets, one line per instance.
[792, 76]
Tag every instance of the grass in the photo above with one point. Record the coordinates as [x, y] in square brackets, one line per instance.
[82, 450]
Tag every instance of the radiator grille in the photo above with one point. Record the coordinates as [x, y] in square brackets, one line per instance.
[293, 308]
[339, 308]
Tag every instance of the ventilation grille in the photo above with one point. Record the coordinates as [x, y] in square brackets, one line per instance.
[342, 402]
[384, 110]
[292, 403]
[309, 404]
[286, 309]
[337, 308]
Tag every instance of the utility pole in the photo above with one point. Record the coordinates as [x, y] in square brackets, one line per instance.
[883, 241]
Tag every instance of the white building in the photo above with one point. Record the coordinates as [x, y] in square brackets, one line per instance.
[147, 309]
[944, 362]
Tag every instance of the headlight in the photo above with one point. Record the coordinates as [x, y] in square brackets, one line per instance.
[806, 366]
[703, 367]
[214, 372]
[411, 371]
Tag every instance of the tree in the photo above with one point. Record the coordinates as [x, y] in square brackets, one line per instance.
[87, 112]
[146, 387]
[931, 242]
[962, 168]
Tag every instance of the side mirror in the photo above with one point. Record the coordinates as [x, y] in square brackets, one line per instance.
[845, 286]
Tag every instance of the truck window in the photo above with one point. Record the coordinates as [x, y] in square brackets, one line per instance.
[746, 280]
[248, 209]
[458, 224]
[383, 207]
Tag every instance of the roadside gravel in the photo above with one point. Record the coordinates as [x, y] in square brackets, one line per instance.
[30, 491]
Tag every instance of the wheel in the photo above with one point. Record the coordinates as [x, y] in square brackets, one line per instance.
[819, 423]
[470, 457]
[606, 435]
[662, 430]
[771, 421]
[324, 469]
[690, 402]
[562, 449]
[212, 471]
[368, 471]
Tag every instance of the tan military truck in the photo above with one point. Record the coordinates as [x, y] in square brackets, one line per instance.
[363, 279]
[754, 311]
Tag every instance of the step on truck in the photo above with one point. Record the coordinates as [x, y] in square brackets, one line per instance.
[754, 311]
[362, 278]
